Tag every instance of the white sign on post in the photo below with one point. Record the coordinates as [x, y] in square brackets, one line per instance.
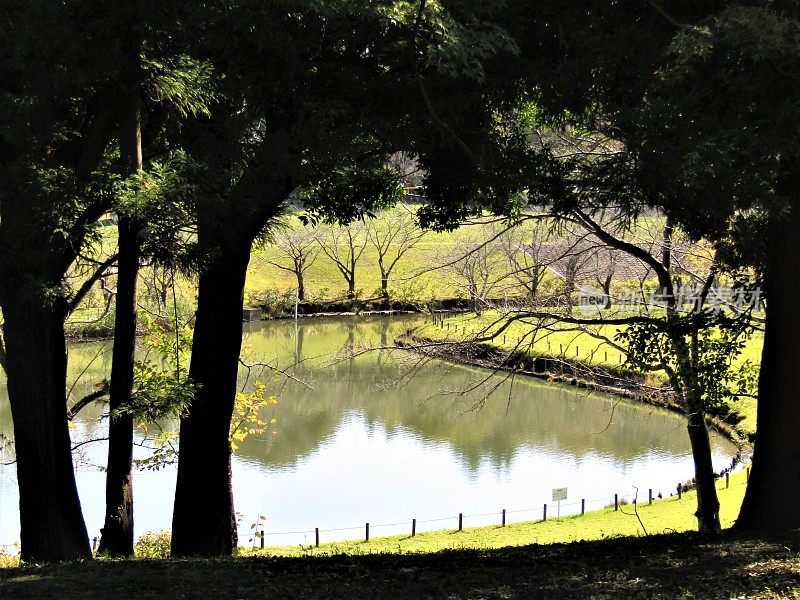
[559, 494]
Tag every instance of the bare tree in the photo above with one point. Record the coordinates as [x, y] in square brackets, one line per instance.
[476, 266]
[570, 258]
[693, 347]
[344, 246]
[297, 246]
[523, 250]
[393, 233]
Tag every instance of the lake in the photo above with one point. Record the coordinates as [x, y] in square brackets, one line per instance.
[383, 436]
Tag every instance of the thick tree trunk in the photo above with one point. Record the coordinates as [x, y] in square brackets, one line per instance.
[773, 492]
[203, 521]
[52, 526]
[707, 502]
[117, 538]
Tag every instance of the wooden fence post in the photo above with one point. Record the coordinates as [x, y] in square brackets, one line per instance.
[616, 502]
[748, 474]
[366, 539]
[262, 539]
[316, 536]
[504, 518]
[460, 521]
[583, 506]
[680, 489]
[727, 479]
[650, 496]
[544, 513]
[413, 527]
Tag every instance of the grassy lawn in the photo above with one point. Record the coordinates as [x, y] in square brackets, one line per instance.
[666, 515]
[686, 566]
[525, 560]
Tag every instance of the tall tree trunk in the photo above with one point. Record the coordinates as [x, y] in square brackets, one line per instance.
[773, 492]
[707, 502]
[203, 521]
[117, 537]
[51, 523]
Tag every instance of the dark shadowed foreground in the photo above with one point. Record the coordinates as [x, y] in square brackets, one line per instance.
[672, 566]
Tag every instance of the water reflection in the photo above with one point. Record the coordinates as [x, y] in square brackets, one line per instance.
[381, 435]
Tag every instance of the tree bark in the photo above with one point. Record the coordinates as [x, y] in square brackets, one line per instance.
[773, 491]
[707, 502]
[51, 522]
[203, 521]
[117, 534]
[301, 284]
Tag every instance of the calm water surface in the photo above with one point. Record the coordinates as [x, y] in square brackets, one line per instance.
[383, 437]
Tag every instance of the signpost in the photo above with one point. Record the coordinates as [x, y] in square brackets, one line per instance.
[559, 494]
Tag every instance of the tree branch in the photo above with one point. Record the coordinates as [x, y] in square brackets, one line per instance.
[84, 402]
[87, 285]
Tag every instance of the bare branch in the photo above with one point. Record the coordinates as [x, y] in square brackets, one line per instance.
[84, 402]
[87, 285]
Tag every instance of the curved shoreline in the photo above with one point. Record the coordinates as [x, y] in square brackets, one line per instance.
[629, 385]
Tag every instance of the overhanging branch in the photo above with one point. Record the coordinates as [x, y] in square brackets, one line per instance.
[87, 285]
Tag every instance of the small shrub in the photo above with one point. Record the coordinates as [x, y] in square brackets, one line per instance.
[153, 545]
[272, 301]
[7, 559]
[101, 328]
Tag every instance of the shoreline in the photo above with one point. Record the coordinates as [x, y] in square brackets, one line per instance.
[565, 371]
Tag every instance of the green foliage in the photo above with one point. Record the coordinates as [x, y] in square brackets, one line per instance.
[161, 197]
[273, 301]
[162, 390]
[350, 192]
[153, 545]
[699, 352]
[247, 408]
[183, 82]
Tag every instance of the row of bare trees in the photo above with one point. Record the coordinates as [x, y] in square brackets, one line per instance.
[392, 234]
[543, 260]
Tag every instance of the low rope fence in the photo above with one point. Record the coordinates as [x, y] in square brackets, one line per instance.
[502, 517]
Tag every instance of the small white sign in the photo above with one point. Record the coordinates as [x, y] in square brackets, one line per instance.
[559, 494]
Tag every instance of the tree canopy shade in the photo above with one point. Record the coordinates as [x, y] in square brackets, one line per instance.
[56, 100]
[699, 104]
[66, 73]
[316, 97]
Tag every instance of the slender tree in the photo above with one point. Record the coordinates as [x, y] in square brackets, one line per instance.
[344, 246]
[392, 234]
[117, 533]
[298, 246]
